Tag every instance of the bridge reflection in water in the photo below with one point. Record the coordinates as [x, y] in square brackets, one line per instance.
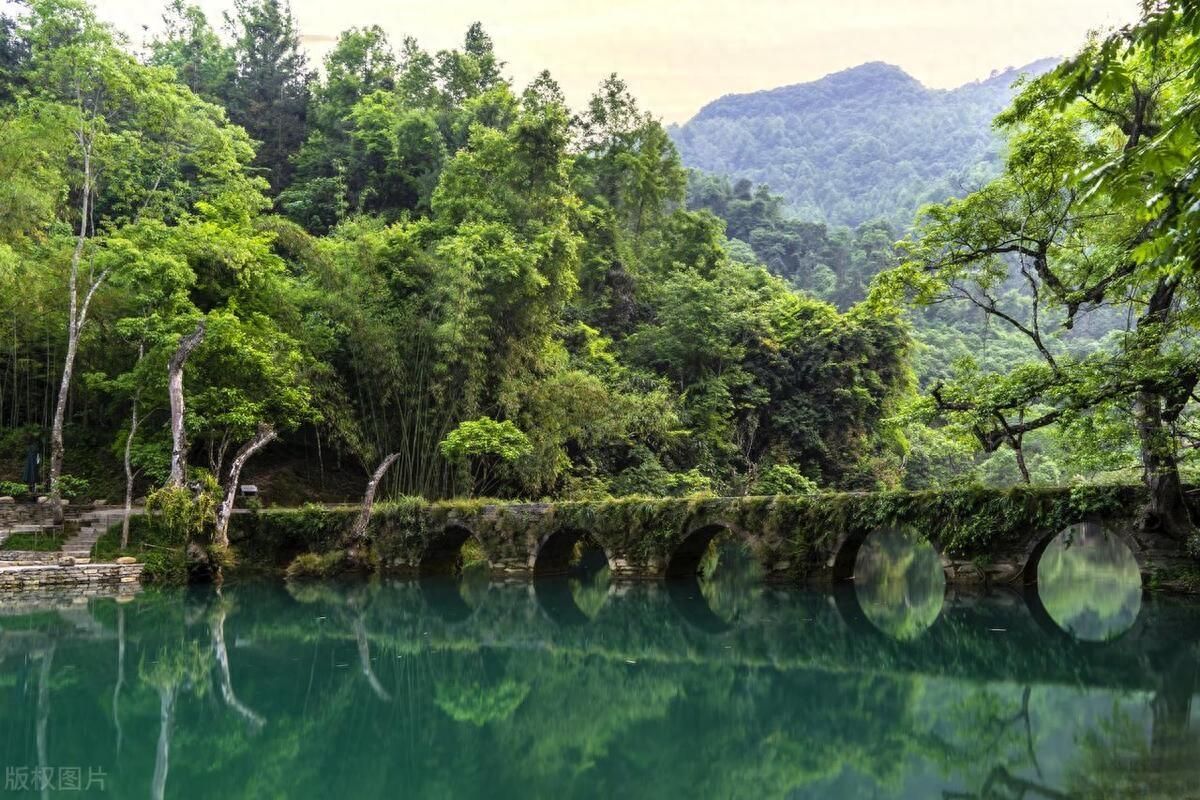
[575, 685]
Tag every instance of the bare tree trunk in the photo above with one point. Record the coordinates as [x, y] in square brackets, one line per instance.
[76, 317]
[175, 391]
[1020, 453]
[222, 655]
[133, 426]
[266, 434]
[359, 531]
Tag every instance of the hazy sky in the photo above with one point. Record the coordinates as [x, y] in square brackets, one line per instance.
[679, 54]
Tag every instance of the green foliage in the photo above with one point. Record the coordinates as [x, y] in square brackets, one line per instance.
[180, 515]
[485, 437]
[834, 264]
[48, 542]
[13, 489]
[72, 486]
[317, 565]
[783, 479]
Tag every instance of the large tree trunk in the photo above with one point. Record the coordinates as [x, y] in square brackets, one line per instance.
[175, 392]
[1166, 511]
[359, 531]
[266, 434]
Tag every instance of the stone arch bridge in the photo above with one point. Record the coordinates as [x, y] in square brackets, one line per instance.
[983, 536]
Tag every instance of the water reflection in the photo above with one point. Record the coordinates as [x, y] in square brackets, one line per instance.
[575, 596]
[899, 583]
[1089, 583]
[730, 580]
[366, 689]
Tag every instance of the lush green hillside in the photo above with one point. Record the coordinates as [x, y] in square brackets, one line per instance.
[406, 254]
[866, 143]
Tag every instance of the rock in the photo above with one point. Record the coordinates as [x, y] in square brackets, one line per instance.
[6, 500]
[127, 560]
[200, 566]
[66, 562]
[99, 503]
[140, 501]
[43, 500]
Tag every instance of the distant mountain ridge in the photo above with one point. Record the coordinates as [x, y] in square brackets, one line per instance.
[865, 143]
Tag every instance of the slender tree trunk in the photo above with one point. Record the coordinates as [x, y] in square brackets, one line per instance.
[266, 434]
[74, 323]
[133, 426]
[359, 531]
[1020, 453]
[175, 392]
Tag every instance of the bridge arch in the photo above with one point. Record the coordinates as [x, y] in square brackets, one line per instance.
[443, 553]
[684, 561]
[845, 556]
[1037, 547]
[555, 551]
[1097, 633]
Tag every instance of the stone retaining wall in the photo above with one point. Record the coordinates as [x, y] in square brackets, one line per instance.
[39, 556]
[55, 598]
[14, 514]
[24, 579]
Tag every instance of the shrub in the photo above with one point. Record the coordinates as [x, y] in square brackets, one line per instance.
[317, 565]
[783, 479]
[72, 486]
[13, 489]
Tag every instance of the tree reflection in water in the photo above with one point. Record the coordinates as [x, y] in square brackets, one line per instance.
[730, 578]
[371, 689]
[899, 582]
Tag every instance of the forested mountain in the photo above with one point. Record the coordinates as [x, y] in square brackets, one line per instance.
[834, 263]
[866, 143]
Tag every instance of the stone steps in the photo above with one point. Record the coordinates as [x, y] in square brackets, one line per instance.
[92, 525]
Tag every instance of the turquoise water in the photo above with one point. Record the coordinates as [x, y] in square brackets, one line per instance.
[582, 688]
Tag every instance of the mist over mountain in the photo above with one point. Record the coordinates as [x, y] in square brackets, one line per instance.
[866, 143]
